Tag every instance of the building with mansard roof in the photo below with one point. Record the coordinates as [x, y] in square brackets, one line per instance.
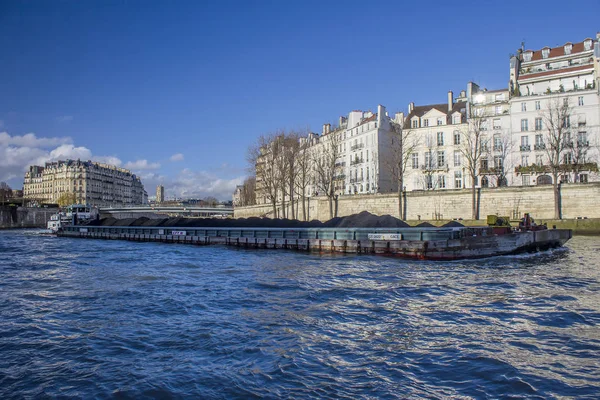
[86, 182]
[538, 80]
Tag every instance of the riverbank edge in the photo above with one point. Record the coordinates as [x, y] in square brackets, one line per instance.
[580, 227]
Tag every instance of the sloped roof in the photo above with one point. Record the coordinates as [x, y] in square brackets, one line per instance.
[558, 51]
[420, 111]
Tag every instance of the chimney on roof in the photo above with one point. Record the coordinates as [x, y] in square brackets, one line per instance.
[450, 100]
[324, 129]
[411, 107]
[328, 127]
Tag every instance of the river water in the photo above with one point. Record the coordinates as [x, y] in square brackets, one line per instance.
[99, 319]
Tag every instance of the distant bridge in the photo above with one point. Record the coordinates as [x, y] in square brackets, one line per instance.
[182, 211]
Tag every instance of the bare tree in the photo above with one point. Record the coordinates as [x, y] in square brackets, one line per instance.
[557, 140]
[248, 192]
[325, 161]
[404, 143]
[430, 178]
[583, 157]
[265, 155]
[472, 150]
[290, 147]
[304, 170]
[498, 157]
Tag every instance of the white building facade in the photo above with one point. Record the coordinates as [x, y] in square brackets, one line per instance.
[541, 79]
[88, 182]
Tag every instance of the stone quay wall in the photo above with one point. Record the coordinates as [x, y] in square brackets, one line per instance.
[578, 201]
[25, 217]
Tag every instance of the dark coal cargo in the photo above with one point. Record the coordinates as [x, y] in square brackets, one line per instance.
[361, 220]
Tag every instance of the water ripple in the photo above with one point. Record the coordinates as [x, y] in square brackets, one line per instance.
[112, 319]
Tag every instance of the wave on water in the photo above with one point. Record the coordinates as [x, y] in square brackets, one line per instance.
[93, 318]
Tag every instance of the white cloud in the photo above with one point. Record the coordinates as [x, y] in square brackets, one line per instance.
[112, 160]
[177, 157]
[31, 140]
[17, 153]
[64, 118]
[142, 165]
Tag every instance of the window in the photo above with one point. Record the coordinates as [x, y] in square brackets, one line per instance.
[440, 138]
[415, 123]
[538, 124]
[441, 158]
[568, 48]
[587, 44]
[582, 139]
[539, 159]
[425, 122]
[567, 122]
[539, 142]
[524, 143]
[456, 119]
[545, 52]
[457, 158]
[526, 180]
[524, 161]
[485, 164]
[497, 143]
[458, 179]
[527, 56]
[441, 181]
[428, 160]
[583, 178]
[580, 100]
[498, 162]
[497, 123]
[415, 160]
[537, 105]
[440, 122]
[523, 106]
[429, 182]
[568, 158]
[499, 97]
[524, 125]
[456, 137]
[498, 110]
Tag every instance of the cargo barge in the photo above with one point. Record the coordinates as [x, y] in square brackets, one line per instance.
[425, 243]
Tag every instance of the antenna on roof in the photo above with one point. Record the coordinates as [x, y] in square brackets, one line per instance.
[523, 45]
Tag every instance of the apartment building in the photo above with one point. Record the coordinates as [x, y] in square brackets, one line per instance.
[364, 149]
[542, 80]
[89, 183]
[434, 136]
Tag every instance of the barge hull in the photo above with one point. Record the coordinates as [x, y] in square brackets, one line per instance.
[468, 247]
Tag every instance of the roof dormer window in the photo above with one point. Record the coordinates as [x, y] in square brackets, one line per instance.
[587, 44]
[568, 48]
[527, 56]
[545, 52]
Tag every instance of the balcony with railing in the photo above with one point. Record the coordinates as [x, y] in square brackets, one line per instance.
[583, 143]
[340, 164]
[498, 147]
[357, 161]
[539, 146]
[434, 167]
[340, 177]
[360, 179]
[357, 146]
[525, 147]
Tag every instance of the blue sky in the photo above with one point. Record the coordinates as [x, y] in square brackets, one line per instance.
[178, 90]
